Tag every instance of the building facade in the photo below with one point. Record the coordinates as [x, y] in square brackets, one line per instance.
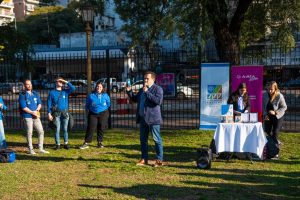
[23, 8]
[6, 12]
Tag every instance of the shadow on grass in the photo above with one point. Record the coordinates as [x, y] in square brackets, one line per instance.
[269, 182]
[171, 153]
[234, 184]
[154, 191]
[63, 159]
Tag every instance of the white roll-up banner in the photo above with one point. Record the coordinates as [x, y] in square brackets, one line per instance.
[214, 93]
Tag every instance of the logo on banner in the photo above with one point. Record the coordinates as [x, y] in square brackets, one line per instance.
[214, 94]
[249, 77]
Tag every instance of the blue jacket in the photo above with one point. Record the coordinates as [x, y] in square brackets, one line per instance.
[30, 101]
[3, 108]
[60, 101]
[152, 110]
[97, 104]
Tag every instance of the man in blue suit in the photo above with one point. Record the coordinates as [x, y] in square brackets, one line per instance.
[149, 99]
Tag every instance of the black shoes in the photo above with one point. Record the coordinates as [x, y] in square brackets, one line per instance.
[100, 145]
[66, 146]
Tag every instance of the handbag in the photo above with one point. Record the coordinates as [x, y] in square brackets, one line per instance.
[7, 156]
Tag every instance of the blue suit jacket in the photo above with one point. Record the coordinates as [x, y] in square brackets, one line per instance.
[154, 98]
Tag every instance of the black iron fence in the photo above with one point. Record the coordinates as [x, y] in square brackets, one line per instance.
[179, 112]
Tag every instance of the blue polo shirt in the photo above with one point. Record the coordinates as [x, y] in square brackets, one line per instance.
[61, 101]
[97, 103]
[3, 108]
[30, 101]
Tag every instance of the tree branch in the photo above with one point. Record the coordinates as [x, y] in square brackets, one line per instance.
[238, 17]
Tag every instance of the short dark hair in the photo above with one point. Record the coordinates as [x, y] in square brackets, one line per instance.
[242, 85]
[153, 75]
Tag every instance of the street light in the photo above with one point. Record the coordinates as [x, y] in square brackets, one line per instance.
[87, 13]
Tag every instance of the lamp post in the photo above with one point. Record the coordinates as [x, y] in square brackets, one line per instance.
[87, 13]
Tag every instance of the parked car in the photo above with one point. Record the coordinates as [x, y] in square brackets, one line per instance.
[292, 84]
[114, 85]
[182, 91]
[80, 87]
[49, 85]
[15, 88]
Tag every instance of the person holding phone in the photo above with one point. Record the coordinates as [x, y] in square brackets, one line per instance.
[149, 100]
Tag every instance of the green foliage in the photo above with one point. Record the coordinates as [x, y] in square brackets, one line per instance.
[1, 48]
[273, 20]
[46, 23]
[145, 21]
[14, 42]
[49, 2]
[98, 5]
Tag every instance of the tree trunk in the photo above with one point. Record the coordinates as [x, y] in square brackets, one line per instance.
[227, 31]
[227, 45]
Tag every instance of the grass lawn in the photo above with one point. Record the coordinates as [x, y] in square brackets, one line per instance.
[111, 173]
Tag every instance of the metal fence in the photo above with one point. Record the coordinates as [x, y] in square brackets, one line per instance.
[179, 112]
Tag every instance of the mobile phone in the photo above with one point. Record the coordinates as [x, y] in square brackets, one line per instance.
[128, 82]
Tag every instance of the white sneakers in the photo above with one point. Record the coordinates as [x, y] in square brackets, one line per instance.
[32, 152]
[43, 151]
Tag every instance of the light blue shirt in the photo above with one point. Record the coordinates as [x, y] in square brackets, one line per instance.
[240, 104]
[142, 103]
[97, 103]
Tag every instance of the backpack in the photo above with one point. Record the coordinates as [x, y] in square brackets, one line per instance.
[204, 158]
[272, 147]
[7, 156]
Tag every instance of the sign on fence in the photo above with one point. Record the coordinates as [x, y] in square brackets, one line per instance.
[167, 82]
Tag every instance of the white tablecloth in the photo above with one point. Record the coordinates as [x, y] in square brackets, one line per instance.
[240, 137]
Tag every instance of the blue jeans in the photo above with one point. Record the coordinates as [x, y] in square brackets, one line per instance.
[144, 132]
[2, 136]
[60, 120]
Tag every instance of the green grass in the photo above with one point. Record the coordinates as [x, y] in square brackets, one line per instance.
[111, 173]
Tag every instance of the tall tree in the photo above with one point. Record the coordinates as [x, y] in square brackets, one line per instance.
[145, 22]
[238, 23]
[45, 24]
[17, 47]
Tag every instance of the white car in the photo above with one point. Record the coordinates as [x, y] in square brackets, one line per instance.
[182, 91]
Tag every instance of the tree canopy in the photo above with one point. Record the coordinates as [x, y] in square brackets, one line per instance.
[144, 21]
[45, 24]
[233, 24]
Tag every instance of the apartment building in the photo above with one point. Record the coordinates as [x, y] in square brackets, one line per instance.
[6, 11]
[23, 8]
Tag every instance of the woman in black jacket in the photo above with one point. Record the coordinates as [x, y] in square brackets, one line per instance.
[240, 100]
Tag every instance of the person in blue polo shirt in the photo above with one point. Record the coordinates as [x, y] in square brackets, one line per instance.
[97, 104]
[58, 106]
[2, 135]
[30, 105]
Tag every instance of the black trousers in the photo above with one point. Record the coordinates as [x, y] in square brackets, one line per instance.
[273, 126]
[98, 121]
